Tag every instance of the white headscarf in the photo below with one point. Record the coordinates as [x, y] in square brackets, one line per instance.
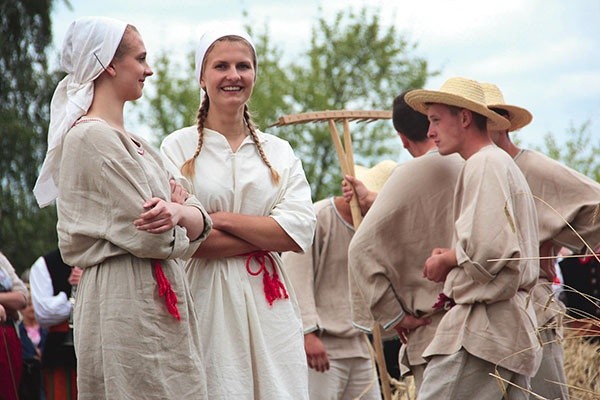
[212, 35]
[89, 46]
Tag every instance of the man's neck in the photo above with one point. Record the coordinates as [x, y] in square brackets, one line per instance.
[475, 141]
[419, 149]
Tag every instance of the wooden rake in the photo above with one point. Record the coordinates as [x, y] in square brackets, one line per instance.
[346, 161]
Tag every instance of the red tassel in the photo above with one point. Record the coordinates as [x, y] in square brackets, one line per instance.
[165, 290]
[272, 285]
[444, 302]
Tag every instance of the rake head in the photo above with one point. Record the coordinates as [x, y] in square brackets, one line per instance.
[333, 115]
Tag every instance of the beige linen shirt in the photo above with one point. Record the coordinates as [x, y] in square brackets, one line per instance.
[411, 215]
[495, 218]
[561, 195]
[320, 279]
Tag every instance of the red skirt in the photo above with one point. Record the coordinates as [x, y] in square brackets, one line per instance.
[11, 361]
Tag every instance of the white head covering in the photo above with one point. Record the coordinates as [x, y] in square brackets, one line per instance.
[212, 35]
[89, 46]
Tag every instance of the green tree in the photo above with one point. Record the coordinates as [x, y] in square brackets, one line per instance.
[25, 33]
[353, 62]
[580, 151]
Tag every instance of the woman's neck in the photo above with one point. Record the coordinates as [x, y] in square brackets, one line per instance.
[230, 127]
[108, 108]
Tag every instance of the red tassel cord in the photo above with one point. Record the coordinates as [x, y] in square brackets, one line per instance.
[443, 303]
[165, 290]
[273, 287]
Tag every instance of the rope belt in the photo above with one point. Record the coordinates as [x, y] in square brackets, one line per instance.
[165, 290]
[273, 287]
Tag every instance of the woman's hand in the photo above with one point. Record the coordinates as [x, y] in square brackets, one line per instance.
[178, 193]
[2, 314]
[160, 216]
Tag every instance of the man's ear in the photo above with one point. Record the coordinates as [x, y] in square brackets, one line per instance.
[466, 117]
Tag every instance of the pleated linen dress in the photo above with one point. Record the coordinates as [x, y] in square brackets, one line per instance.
[253, 350]
[127, 343]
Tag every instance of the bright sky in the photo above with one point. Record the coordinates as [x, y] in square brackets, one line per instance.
[543, 54]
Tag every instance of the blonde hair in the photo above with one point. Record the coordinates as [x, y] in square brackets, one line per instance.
[188, 167]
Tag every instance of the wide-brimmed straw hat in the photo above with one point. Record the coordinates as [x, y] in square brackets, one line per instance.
[458, 92]
[518, 117]
[374, 178]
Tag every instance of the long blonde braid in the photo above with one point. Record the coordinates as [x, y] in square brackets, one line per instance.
[261, 152]
[188, 168]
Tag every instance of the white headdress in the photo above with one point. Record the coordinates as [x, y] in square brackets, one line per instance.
[90, 44]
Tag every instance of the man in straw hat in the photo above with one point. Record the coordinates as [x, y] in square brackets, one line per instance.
[563, 197]
[338, 356]
[411, 215]
[485, 345]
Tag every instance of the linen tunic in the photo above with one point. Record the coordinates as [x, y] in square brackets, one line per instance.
[495, 218]
[128, 346]
[561, 194]
[411, 215]
[252, 350]
[320, 280]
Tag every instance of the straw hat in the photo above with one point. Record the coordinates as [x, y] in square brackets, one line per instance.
[459, 92]
[375, 177]
[518, 117]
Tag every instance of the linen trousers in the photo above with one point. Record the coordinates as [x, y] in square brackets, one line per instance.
[346, 379]
[461, 376]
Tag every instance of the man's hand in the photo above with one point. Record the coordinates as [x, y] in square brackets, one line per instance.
[439, 264]
[365, 198]
[316, 355]
[407, 324]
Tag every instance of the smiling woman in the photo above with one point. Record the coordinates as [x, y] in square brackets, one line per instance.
[259, 201]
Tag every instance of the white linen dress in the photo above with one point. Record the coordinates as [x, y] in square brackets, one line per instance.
[253, 350]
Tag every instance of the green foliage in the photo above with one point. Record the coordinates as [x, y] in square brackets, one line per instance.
[579, 152]
[175, 101]
[25, 91]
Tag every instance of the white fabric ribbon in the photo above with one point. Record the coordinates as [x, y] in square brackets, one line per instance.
[89, 46]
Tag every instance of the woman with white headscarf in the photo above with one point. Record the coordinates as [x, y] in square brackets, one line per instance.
[123, 222]
[257, 195]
